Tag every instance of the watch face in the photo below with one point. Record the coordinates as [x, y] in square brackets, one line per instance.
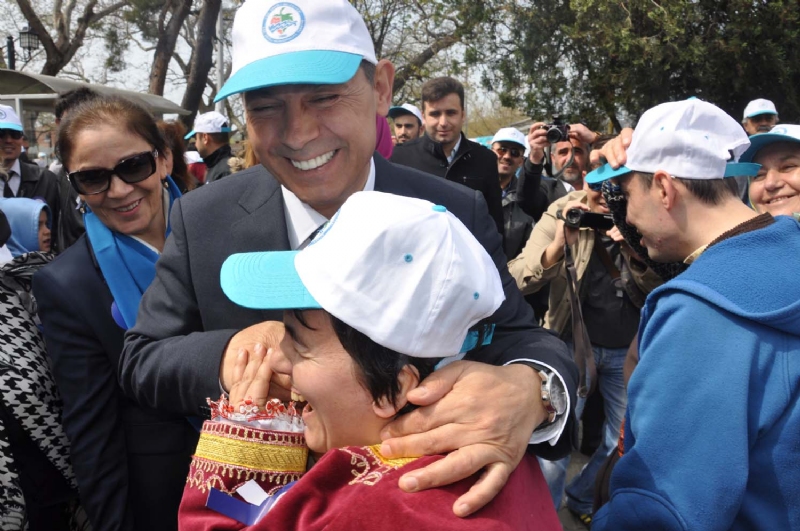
[558, 399]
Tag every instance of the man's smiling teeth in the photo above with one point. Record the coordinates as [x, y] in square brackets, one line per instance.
[129, 207]
[313, 164]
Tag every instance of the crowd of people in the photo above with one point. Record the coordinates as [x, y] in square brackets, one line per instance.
[357, 325]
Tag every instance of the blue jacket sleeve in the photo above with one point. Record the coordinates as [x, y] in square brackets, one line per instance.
[688, 433]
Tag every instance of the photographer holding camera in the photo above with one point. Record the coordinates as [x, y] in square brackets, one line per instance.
[611, 285]
[568, 147]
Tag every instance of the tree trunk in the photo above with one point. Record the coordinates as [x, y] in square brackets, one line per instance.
[165, 47]
[202, 59]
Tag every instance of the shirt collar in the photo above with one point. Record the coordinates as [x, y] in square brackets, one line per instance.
[15, 169]
[302, 220]
[695, 255]
[455, 150]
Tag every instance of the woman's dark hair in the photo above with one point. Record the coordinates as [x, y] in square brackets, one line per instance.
[378, 366]
[173, 133]
[114, 111]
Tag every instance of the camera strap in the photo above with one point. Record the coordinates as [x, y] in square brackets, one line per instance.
[584, 356]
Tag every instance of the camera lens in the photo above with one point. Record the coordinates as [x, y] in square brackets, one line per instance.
[554, 135]
[574, 216]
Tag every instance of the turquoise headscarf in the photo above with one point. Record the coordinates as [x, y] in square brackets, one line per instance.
[128, 265]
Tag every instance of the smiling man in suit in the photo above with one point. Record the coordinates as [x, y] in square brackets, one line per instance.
[312, 87]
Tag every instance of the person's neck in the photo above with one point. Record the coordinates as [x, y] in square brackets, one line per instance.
[704, 224]
[157, 236]
[328, 209]
[505, 180]
[450, 146]
[7, 163]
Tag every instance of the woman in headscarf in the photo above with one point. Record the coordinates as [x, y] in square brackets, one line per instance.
[130, 462]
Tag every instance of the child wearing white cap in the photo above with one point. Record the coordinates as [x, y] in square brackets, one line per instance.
[385, 290]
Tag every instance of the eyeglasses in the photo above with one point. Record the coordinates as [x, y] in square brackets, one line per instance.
[13, 133]
[134, 169]
[514, 152]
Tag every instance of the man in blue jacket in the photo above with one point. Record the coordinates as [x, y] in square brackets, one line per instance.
[714, 404]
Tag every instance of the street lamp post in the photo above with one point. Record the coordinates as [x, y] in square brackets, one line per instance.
[28, 41]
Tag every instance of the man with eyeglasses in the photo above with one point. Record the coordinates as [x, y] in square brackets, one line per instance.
[509, 146]
[23, 179]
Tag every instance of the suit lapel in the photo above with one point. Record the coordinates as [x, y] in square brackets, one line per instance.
[263, 225]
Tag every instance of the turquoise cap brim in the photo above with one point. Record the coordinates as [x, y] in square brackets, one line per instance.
[189, 135]
[741, 169]
[265, 281]
[10, 125]
[761, 140]
[604, 173]
[311, 67]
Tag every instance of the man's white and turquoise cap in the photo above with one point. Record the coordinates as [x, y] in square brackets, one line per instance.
[510, 134]
[690, 139]
[317, 42]
[9, 118]
[779, 133]
[210, 122]
[403, 271]
[759, 107]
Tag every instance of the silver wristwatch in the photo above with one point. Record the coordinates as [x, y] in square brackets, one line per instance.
[554, 396]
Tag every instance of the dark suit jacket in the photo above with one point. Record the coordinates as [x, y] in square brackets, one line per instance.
[474, 166]
[36, 182]
[172, 355]
[130, 462]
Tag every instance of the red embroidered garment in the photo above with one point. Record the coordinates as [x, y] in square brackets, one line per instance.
[349, 488]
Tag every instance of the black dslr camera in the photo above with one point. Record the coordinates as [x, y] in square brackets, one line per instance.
[580, 219]
[557, 131]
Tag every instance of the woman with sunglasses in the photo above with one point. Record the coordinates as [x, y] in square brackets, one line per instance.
[130, 462]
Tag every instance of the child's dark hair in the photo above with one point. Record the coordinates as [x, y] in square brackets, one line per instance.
[378, 366]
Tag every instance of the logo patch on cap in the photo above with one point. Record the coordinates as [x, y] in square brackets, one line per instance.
[2, 114]
[284, 21]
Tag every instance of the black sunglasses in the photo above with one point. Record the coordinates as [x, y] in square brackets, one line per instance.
[134, 169]
[13, 133]
[514, 152]
[613, 186]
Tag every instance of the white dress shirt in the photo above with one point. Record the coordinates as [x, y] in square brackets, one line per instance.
[302, 220]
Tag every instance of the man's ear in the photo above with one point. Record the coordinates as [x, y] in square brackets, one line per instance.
[408, 380]
[384, 86]
[664, 186]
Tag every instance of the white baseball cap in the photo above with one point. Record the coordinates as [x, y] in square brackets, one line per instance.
[759, 106]
[405, 108]
[318, 42]
[210, 122]
[690, 139]
[9, 118]
[779, 133]
[509, 134]
[404, 272]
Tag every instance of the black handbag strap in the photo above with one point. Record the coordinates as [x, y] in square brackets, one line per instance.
[584, 357]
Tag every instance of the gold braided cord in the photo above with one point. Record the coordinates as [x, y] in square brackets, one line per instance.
[279, 455]
[375, 450]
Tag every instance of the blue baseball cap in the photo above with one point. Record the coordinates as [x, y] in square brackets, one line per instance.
[300, 42]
